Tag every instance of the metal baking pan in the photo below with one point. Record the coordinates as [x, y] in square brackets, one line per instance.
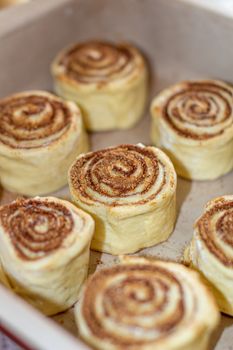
[181, 40]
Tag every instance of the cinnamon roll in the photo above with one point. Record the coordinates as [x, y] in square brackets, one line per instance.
[211, 249]
[193, 122]
[40, 136]
[108, 81]
[130, 190]
[146, 304]
[44, 250]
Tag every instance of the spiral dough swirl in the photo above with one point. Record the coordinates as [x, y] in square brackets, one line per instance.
[137, 304]
[123, 175]
[215, 228]
[32, 120]
[99, 62]
[199, 110]
[35, 227]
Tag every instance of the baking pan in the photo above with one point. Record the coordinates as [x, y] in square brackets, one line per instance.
[180, 41]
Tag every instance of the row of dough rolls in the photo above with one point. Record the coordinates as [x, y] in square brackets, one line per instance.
[191, 120]
[41, 134]
[141, 303]
[44, 251]
[130, 191]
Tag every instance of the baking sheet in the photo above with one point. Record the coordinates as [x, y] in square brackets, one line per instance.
[191, 198]
[177, 41]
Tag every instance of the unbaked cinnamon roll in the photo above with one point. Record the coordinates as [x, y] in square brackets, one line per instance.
[211, 249]
[146, 304]
[130, 190]
[193, 122]
[40, 136]
[44, 250]
[108, 81]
